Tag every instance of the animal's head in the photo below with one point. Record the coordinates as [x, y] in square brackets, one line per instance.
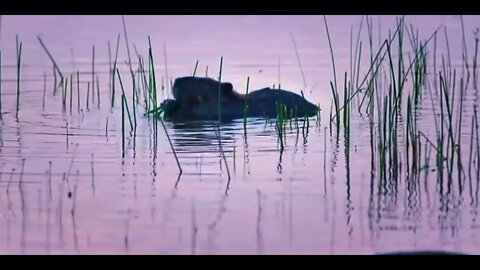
[169, 107]
[196, 90]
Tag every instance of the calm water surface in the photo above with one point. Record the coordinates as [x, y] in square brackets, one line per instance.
[65, 188]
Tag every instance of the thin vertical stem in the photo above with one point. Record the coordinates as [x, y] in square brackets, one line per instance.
[93, 75]
[19, 59]
[78, 91]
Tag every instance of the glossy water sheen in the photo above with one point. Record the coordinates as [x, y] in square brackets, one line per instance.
[70, 192]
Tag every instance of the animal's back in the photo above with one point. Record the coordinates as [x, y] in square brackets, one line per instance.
[268, 99]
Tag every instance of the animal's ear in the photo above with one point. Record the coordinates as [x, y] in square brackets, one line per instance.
[227, 88]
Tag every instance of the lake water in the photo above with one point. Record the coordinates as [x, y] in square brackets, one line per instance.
[65, 188]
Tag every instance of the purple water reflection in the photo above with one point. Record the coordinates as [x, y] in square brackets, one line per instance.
[297, 202]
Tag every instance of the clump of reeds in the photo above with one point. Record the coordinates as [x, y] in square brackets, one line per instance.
[153, 98]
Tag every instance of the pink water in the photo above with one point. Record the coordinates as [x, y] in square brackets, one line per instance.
[297, 202]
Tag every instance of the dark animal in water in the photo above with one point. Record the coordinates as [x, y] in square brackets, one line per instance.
[198, 98]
